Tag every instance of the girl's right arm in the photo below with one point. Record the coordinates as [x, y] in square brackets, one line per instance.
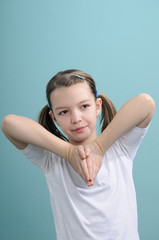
[22, 131]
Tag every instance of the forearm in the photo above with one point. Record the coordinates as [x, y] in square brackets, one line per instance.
[138, 111]
[27, 131]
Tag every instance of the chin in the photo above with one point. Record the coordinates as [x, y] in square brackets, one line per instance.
[82, 141]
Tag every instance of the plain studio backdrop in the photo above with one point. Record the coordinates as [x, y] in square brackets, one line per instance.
[117, 42]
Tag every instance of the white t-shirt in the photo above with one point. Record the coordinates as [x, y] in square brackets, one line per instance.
[105, 211]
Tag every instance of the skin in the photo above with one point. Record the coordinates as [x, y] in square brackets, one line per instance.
[85, 150]
[76, 106]
[75, 111]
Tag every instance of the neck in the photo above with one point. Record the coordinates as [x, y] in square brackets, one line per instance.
[84, 142]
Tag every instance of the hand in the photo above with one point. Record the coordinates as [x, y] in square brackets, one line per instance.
[94, 158]
[86, 161]
[76, 156]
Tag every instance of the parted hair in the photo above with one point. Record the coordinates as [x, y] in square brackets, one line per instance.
[68, 78]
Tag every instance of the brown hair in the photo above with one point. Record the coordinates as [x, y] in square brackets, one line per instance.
[66, 79]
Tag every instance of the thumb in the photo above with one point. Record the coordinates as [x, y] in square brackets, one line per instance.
[81, 152]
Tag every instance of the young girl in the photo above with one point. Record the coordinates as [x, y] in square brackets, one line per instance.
[89, 178]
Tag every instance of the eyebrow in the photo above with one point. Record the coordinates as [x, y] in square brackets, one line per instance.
[63, 107]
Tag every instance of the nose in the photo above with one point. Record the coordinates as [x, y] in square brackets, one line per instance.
[76, 117]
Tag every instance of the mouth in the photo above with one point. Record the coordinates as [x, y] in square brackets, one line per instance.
[79, 130]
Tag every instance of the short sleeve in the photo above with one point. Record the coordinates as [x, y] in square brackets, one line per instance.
[131, 140]
[38, 156]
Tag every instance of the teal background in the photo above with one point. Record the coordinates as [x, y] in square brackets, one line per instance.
[117, 42]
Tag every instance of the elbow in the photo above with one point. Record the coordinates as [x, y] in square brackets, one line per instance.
[148, 102]
[6, 123]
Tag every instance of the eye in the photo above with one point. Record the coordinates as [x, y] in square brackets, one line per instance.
[63, 112]
[84, 106]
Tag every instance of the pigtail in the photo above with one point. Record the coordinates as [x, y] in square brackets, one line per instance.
[108, 111]
[46, 121]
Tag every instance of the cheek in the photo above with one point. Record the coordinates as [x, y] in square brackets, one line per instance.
[62, 122]
[94, 113]
[92, 117]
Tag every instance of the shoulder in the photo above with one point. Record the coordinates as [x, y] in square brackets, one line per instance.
[129, 142]
[135, 133]
[148, 103]
[42, 158]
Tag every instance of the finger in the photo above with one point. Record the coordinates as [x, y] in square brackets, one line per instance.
[81, 152]
[80, 172]
[84, 152]
[93, 171]
[90, 167]
[84, 168]
[90, 183]
[87, 150]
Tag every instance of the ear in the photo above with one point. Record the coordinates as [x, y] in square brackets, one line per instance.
[53, 117]
[98, 105]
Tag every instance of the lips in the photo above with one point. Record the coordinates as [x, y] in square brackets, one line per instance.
[79, 130]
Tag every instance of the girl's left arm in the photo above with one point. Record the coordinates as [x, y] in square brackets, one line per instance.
[138, 111]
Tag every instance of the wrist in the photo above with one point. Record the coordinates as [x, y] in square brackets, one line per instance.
[67, 153]
[98, 146]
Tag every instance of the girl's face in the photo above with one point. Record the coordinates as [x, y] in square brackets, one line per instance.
[75, 111]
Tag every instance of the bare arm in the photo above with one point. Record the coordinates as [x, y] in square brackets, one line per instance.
[138, 111]
[22, 131]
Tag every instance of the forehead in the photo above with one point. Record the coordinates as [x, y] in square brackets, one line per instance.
[73, 94]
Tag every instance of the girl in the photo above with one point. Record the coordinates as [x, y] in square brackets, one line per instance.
[89, 178]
